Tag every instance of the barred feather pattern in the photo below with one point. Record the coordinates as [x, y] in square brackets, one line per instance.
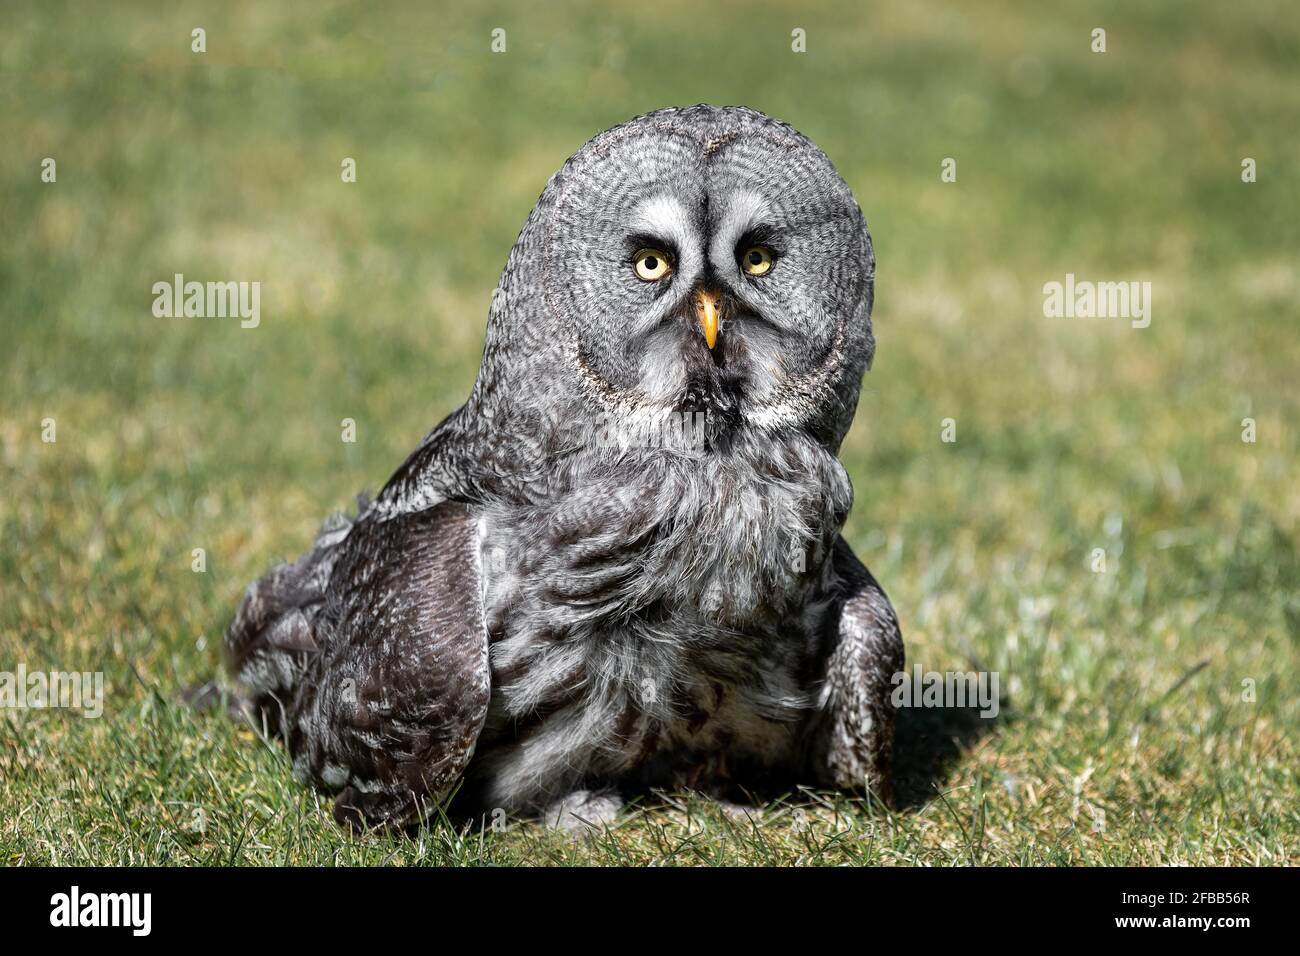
[659, 611]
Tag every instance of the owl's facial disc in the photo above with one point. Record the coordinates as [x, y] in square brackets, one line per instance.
[711, 259]
[704, 338]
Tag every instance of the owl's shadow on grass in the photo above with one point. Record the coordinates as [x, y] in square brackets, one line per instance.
[928, 742]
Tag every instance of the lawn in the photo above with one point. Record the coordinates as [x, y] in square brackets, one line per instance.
[1149, 709]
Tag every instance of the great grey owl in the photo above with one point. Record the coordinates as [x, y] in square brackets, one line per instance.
[618, 566]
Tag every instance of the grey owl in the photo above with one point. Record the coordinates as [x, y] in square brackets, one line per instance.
[618, 566]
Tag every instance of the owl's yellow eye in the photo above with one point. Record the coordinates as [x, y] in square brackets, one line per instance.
[756, 260]
[651, 265]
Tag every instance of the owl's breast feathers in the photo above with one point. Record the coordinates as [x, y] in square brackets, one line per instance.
[658, 604]
[736, 536]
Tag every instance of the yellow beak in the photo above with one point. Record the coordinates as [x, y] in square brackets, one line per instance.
[708, 306]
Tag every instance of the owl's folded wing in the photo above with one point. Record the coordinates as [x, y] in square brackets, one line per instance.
[853, 730]
[388, 711]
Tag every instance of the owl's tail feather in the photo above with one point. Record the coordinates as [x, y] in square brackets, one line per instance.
[273, 633]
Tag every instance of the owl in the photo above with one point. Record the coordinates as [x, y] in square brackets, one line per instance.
[618, 567]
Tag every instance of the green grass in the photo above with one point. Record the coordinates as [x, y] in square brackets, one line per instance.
[1072, 435]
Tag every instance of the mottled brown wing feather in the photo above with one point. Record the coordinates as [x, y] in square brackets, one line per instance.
[853, 738]
[388, 712]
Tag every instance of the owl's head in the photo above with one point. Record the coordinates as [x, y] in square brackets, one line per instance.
[701, 259]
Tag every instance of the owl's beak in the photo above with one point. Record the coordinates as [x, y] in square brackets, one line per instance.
[707, 304]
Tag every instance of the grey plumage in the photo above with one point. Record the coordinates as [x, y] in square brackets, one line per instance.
[542, 604]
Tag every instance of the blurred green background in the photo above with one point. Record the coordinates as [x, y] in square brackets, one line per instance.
[1072, 435]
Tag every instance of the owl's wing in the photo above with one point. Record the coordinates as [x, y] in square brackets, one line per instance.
[390, 706]
[853, 729]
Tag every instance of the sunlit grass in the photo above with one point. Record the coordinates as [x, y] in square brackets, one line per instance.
[1071, 435]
